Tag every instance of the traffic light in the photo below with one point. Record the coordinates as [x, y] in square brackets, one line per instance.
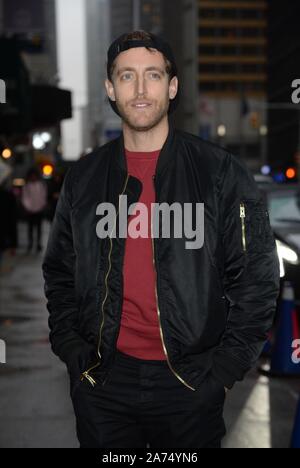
[47, 170]
[290, 173]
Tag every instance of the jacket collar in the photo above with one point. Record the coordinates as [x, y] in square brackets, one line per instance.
[165, 156]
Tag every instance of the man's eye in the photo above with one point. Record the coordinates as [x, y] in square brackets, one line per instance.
[126, 76]
[156, 76]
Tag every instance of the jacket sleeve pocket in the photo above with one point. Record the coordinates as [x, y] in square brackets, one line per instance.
[256, 232]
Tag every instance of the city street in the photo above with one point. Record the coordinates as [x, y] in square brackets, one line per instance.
[35, 407]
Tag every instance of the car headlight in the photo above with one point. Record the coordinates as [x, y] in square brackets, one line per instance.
[286, 254]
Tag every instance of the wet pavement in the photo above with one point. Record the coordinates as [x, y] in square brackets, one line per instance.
[35, 406]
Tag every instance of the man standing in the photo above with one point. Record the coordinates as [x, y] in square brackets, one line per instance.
[153, 332]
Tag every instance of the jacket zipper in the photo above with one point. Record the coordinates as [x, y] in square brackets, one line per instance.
[243, 217]
[158, 310]
[85, 374]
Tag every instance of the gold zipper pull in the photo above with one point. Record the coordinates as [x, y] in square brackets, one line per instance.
[89, 378]
[243, 217]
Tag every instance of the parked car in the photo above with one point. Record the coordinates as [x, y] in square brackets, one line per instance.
[284, 209]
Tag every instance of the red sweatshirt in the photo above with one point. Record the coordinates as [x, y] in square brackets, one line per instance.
[139, 333]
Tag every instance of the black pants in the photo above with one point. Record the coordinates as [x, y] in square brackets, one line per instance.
[143, 404]
[34, 221]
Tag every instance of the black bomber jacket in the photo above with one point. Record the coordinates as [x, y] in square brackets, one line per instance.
[215, 304]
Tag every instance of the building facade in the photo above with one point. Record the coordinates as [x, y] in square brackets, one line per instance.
[232, 73]
[35, 104]
[33, 23]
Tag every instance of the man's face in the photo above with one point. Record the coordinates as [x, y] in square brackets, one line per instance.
[141, 88]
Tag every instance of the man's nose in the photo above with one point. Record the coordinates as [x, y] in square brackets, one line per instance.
[141, 85]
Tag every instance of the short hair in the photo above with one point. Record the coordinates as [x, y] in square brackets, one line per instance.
[141, 36]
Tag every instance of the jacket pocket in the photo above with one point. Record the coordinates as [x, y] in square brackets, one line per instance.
[256, 232]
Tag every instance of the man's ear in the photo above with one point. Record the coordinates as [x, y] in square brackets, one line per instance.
[173, 87]
[110, 90]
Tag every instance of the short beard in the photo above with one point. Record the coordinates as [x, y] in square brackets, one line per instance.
[152, 124]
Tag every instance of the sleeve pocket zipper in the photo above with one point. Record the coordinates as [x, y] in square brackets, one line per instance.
[243, 218]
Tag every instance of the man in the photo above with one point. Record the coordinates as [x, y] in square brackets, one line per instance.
[153, 332]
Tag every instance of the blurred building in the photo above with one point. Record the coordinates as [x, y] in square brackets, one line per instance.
[72, 65]
[84, 72]
[35, 105]
[182, 33]
[127, 15]
[121, 16]
[33, 23]
[100, 117]
[232, 40]
[284, 68]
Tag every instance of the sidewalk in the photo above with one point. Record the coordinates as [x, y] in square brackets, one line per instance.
[35, 406]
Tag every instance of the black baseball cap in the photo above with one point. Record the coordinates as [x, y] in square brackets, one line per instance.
[155, 42]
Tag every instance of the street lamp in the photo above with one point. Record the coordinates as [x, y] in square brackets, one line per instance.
[263, 130]
[221, 131]
[6, 153]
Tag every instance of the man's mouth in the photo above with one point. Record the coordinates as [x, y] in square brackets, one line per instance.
[142, 105]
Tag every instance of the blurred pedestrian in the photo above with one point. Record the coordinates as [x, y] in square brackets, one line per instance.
[54, 188]
[8, 210]
[34, 201]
